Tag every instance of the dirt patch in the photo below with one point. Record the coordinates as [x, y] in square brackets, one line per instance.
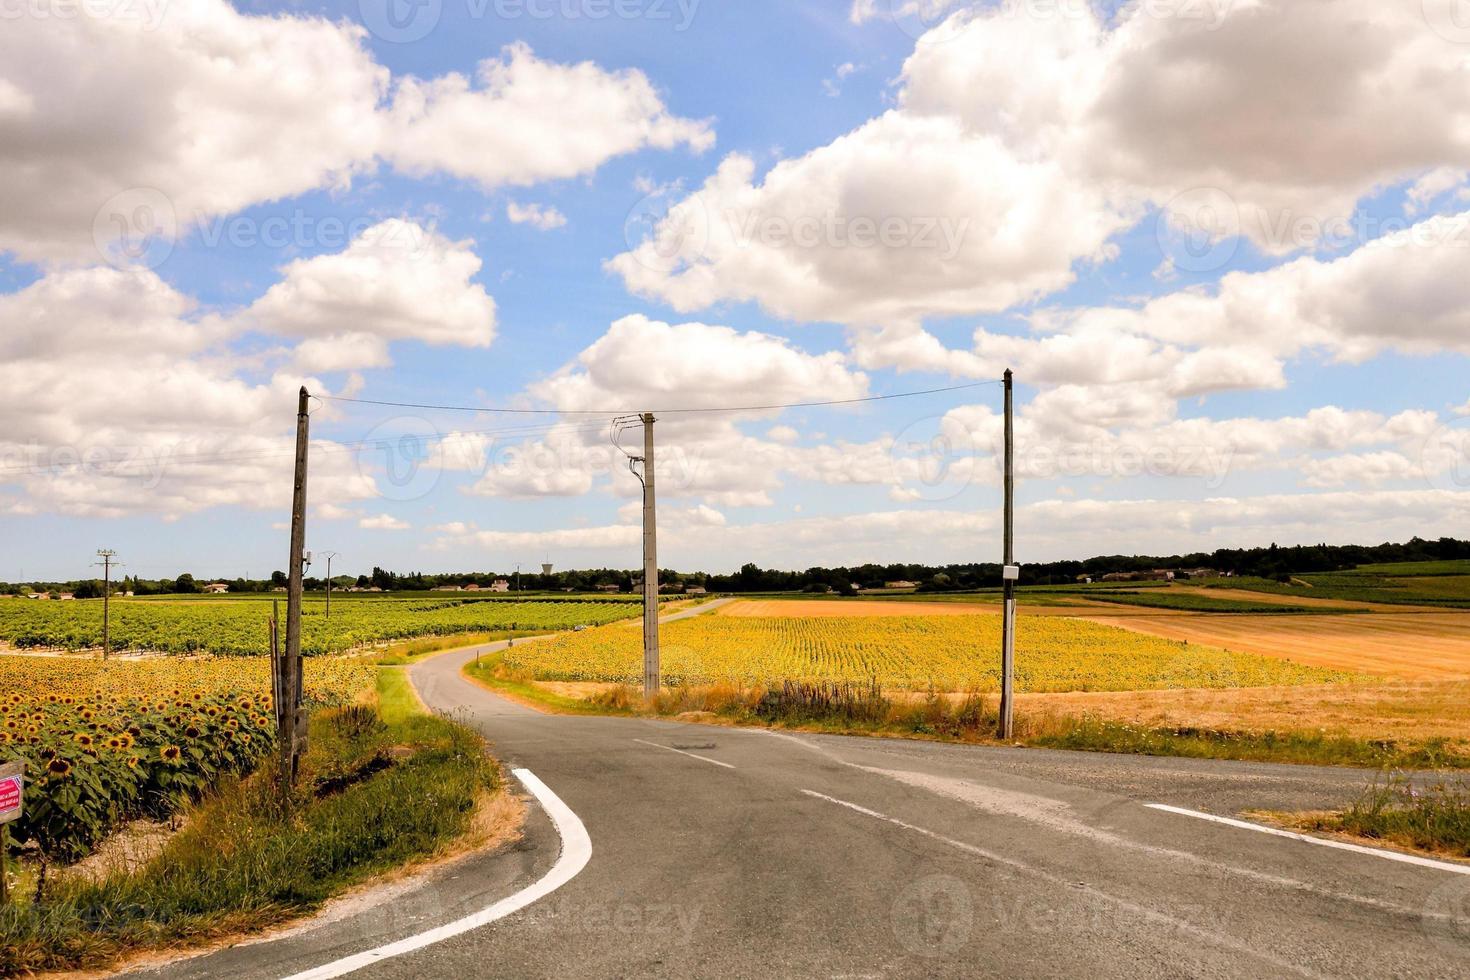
[128, 849]
[577, 689]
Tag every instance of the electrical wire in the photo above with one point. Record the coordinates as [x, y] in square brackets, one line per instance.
[666, 411]
[522, 431]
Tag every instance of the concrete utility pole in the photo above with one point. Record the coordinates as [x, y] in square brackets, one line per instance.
[330, 555]
[290, 665]
[1010, 574]
[106, 554]
[651, 681]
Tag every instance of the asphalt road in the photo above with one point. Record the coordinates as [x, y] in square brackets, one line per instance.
[720, 852]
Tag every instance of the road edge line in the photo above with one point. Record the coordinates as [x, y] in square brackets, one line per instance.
[576, 851]
[1377, 852]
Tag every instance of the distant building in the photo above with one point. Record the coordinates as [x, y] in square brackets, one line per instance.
[499, 585]
[215, 588]
[608, 588]
[448, 588]
[66, 597]
[472, 587]
[900, 585]
[696, 590]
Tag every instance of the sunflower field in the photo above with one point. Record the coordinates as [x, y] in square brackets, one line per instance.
[239, 626]
[946, 653]
[108, 742]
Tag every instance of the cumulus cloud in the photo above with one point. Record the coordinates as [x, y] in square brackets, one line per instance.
[524, 120]
[224, 110]
[1039, 134]
[396, 281]
[539, 216]
[383, 522]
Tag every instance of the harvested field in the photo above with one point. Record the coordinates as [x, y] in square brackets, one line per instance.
[1405, 710]
[1406, 646]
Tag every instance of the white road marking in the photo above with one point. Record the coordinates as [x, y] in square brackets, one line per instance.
[576, 851]
[1160, 918]
[1423, 862]
[713, 762]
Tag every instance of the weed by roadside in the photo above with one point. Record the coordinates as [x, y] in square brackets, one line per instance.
[1434, 818]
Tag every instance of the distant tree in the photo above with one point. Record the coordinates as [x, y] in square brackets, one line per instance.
[185, 584]
[90, 589]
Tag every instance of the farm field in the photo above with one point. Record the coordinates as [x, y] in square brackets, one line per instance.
[107, 742]
[1410, 710]
[888, 608]
[1408, 646]
[942, 652]
[240, 626]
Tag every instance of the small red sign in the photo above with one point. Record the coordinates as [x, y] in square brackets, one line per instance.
[9, 796]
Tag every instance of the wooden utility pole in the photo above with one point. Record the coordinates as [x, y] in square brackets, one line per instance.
[651, 680]
[106, 554]
[289, 666]
[1010, 574]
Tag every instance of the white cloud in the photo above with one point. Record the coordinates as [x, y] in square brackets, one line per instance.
[396, 281]
[224, 110]
[383, 522]
[539, 216]
[1043, 133]
[221, 110]
[525, 120]
[644, 364]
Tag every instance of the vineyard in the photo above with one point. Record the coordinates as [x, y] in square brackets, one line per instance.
[240, 626]
[950, 653]
[104, 743]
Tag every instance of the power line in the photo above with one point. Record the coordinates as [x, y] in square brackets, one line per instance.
[524, 430]
[604, 413]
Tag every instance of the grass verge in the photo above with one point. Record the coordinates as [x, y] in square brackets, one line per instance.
[1296, 746]
[864, 709]
[1433, 819]
[381, 786]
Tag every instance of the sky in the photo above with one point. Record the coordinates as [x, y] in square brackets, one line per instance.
[1223, 244]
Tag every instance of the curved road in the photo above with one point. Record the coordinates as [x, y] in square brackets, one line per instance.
[720, 852]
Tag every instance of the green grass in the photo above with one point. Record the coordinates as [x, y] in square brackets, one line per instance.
[1442, 591]
[1433, 818]
[1414, 569]
[361, 808]
[492, 672]
[412, 651]
[1298, 747]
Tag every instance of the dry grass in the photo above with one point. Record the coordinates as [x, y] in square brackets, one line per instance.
[1401, 710]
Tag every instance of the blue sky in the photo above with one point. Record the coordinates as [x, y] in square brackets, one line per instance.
[1230, 279]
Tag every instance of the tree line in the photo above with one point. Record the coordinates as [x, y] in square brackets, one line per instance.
[1268, 562]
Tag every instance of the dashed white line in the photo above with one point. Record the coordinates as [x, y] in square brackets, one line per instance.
[576, 851]
[713, 762]
[1423, 862]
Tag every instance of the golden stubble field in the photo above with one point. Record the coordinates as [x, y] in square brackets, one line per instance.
[1412, 667]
